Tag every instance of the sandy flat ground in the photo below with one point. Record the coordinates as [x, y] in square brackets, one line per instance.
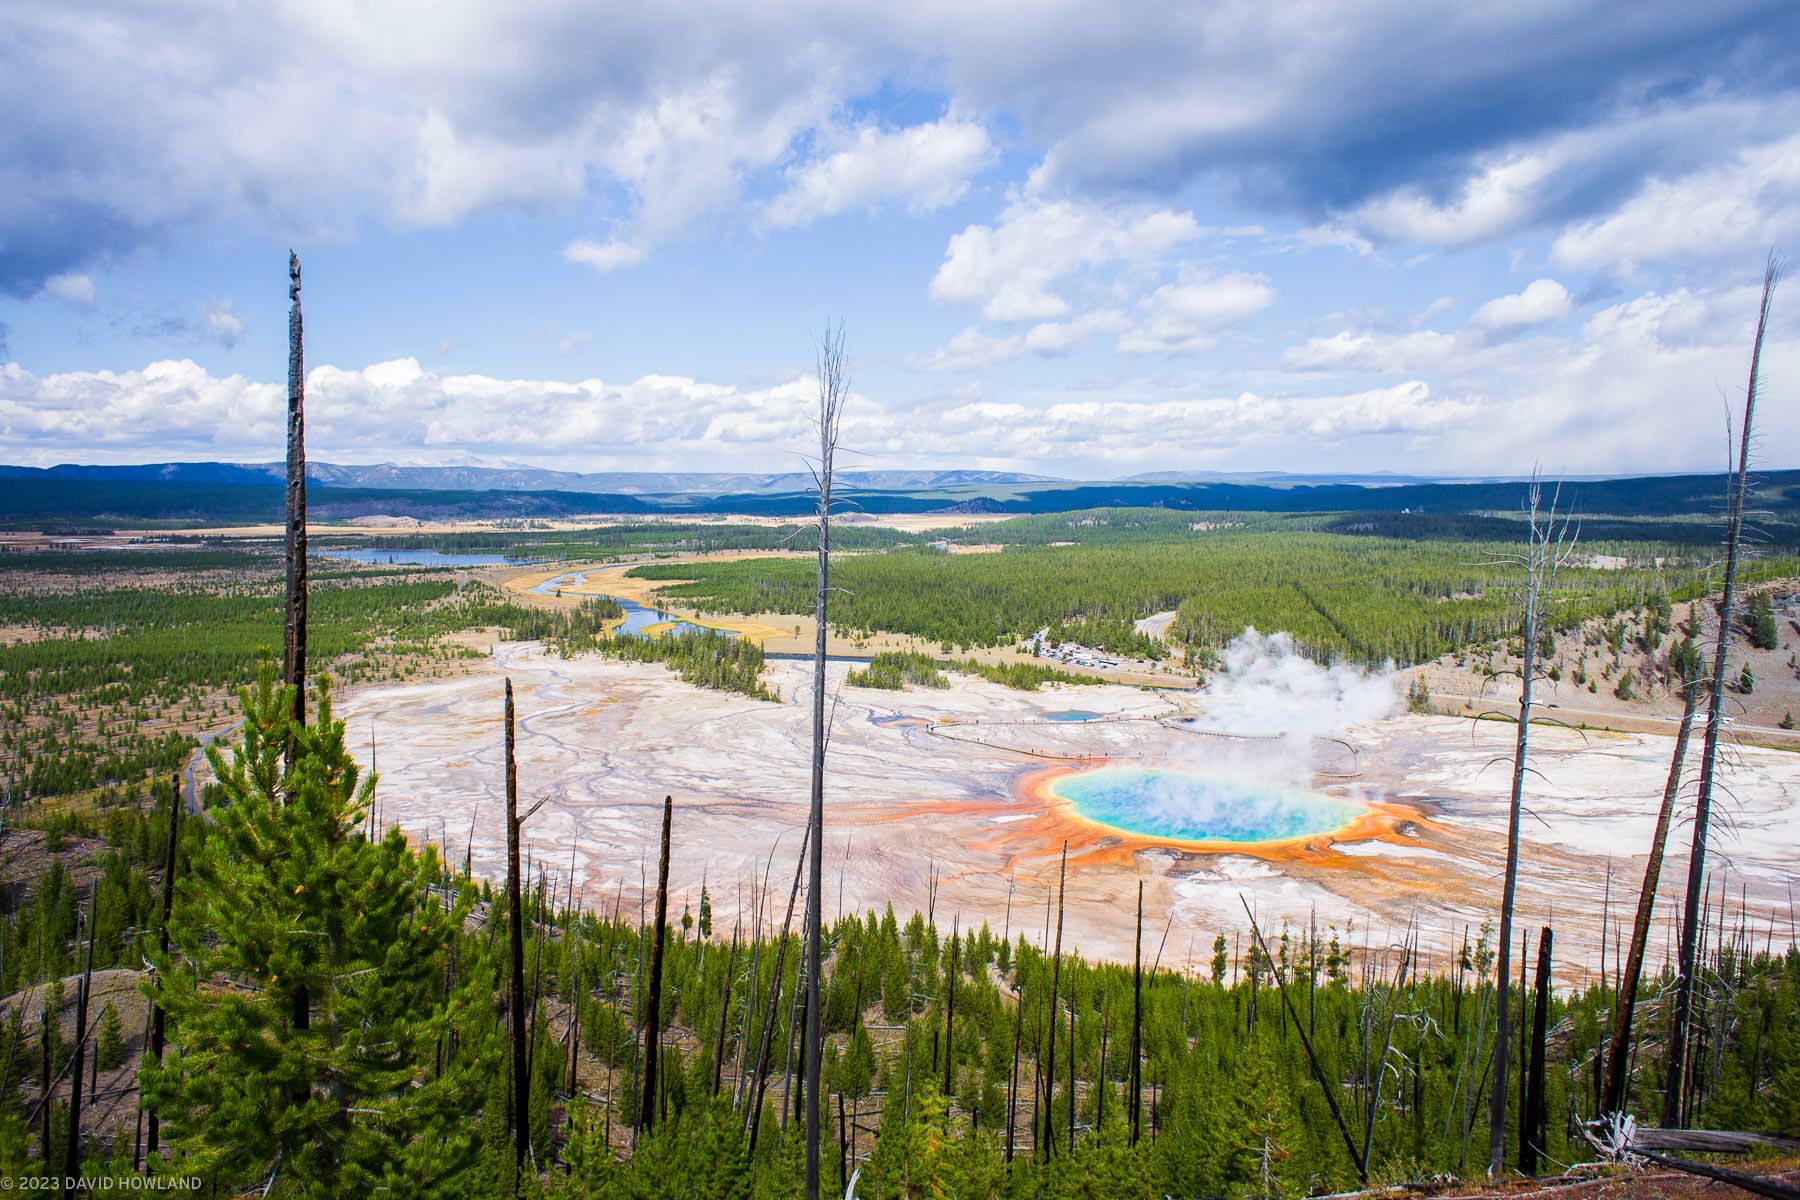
[952, 780]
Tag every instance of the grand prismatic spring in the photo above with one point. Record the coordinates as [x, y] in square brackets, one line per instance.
[1186, 807]
[1361, 816]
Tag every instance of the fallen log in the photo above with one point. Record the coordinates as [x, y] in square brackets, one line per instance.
[1709, 1141]
[1619, 1137]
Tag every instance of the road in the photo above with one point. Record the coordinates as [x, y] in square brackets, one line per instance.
[190, 788]
[1452, 705]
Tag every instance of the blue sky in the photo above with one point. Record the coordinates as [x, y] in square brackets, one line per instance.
[1078, 239]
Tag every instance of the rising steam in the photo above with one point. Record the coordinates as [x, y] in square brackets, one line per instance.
[1269, 688]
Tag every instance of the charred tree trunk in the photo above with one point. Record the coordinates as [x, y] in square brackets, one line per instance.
[1327, 1084]
[1012, 1091]
[648, 1096]
[575, 1006]
[1102, 1084]
[1137, 1020]
[72, 1151]
[515, 909]
[1048, 1140]
[760, 1067]
[1524, 1032]
[293, 661]
[159, 1018]
[950, 1021]
[1534, 1120]
[1674, 1075]
[796, 1028]
[1071, 1076]
[1618, 1056]
[724, 1015]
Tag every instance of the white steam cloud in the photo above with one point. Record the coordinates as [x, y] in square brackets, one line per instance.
[1269, 687]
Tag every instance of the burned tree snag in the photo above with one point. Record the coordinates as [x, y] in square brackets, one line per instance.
[521, 1069]
[647, 1097]
[293, 661]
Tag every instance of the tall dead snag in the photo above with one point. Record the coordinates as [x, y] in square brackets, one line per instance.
[1137, 1020]
[1327, 1085]
[158, 1018]
[1072, 1075]
[72, 1151]
[653, 1003]
[759, 1081]
[575, 993]
[1012, 1090]
[1548, 546]
[950, 1018]
[1534, 1119]
[1674, 1076]
[1048, 1138]
[834, 388]
[293, 659]
[1618, 1055]
[516, 1002]
[724, 1012]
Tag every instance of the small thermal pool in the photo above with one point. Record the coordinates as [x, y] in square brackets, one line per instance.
[1072, 714]
[1185, 806]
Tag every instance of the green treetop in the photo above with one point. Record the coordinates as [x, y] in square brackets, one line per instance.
[306, 987]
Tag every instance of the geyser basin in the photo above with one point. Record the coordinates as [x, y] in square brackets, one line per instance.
[1183, 806]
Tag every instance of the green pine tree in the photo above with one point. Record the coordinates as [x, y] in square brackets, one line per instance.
[111, 1049]
[304, 990]
[1759, 622]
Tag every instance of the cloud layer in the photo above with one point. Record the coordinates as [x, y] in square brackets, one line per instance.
[1398, 120]
[1615, 393]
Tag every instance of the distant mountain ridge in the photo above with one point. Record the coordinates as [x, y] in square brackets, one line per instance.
[389, 476]
[126, 497]
[1353, 478]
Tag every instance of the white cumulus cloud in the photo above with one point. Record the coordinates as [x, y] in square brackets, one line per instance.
[1188, 316]
[223, 325]
[1736, 208]
[70, 288]
[604, 257]
[929, 166]
[1010, 268]
[1542, 302]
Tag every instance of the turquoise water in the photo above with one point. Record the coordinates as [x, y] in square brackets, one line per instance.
[1189, 807]
[1072, 714]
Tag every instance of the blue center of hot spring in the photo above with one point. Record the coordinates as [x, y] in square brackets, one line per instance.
[1199, 808]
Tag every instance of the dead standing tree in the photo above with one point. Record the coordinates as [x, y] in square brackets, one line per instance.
[1618, 1054]
[158, 1017]
[1550, 543]
[515, 991]
[834, 387]
[648, 1095]
[1673, 1075]
[293, 661]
